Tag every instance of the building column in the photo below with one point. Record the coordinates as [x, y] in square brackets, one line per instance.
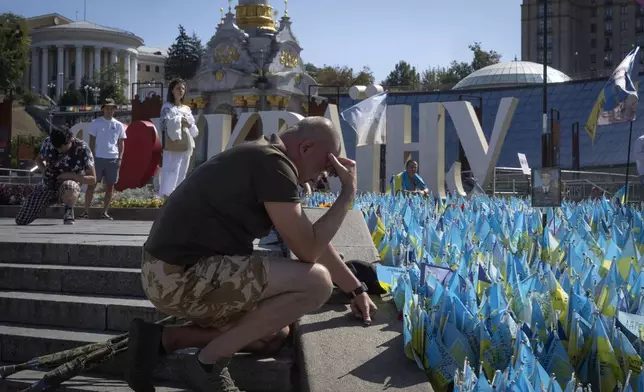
[35, 56]
[44, 71]
[97, 60]
[79, 67]
[68, 67]
[113, 57]
[128, 75]
[134, 71]
[60, 84]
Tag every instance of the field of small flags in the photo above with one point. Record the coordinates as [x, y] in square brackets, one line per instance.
[492, 300]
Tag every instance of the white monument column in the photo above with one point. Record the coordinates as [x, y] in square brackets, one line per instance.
[60, 85]
[90, 66]
[97, 60]
[79, 67]
[113, 57]
[35, 56]
[44, 76]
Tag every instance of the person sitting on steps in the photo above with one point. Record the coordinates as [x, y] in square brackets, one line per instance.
[198, 262]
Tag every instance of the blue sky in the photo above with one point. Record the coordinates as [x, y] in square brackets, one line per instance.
[376, 33]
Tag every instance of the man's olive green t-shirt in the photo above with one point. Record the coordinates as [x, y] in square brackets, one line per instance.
[219, 208]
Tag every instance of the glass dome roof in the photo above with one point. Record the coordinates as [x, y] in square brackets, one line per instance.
[511, 73]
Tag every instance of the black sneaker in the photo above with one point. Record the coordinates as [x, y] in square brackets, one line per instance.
[199, 380]
[68, 217]
[142, 354]
[105, 216]
[84, 215]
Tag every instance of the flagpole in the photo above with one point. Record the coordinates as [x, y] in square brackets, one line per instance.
[628, 161]
[85, 12]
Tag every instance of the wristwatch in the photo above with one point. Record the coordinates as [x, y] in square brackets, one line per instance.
[361, 289]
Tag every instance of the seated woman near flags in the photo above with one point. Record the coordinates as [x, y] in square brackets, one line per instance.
[409, 180]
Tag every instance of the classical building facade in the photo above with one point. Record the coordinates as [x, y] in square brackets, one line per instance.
[63, 52]
[151, 65]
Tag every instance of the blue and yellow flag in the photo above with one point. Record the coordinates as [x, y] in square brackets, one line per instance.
[617, 102]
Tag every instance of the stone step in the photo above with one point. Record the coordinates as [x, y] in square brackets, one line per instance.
[72, 311]
[88, 243]
[69, 279]
[83, 383]
[20, 343]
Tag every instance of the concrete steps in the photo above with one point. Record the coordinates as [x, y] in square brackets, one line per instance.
[62, 287]
[84, 383]
[23, 342]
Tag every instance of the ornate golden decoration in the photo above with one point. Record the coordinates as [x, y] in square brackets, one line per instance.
[255, 16]
[219, 75]
[200, 102]
[285, 102]
[298, 79]
[289, 59]
[274, 100]
[251, 100]
[239, 101]
[225, 54]
[305, 108]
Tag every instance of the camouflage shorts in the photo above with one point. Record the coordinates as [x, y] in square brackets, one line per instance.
[213, 293]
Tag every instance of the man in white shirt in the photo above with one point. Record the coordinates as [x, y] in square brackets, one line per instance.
[107, 142]
[638, 156]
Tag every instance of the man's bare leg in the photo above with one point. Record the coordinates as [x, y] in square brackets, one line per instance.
[293, 289]
[178, 338]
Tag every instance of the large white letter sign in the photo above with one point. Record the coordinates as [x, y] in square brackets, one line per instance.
[482, 158]
[368, 168]
[399, 140]
[272, 122]
[244, 125]
[218, 133]
[431, 125]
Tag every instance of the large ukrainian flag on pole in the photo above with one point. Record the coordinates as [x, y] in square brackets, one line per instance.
[617, 102]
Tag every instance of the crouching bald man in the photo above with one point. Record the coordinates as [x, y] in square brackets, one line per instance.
[198, 262]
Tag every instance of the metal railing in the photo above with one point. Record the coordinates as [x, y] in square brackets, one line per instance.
[577, 185]
[19, 176]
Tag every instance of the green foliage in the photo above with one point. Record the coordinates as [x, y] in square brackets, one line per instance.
[337, 75]
[111, 80]
[184, 56]
[435, 77]
[71, 97]
[403, 75]
[29, 98]
[14, 50]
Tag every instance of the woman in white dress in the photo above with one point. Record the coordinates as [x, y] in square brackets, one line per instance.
[178, 129]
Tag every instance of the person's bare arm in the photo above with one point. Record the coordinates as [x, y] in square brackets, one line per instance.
[121, 145]
[40, 163]
[308, 241]
[92, 144]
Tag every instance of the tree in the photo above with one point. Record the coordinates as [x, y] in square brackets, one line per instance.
[403, 75]
[483, 58]
[184, 56]
[342, 76]
[436, 77]
[14, 50]
[197, 48]
[111, 81]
